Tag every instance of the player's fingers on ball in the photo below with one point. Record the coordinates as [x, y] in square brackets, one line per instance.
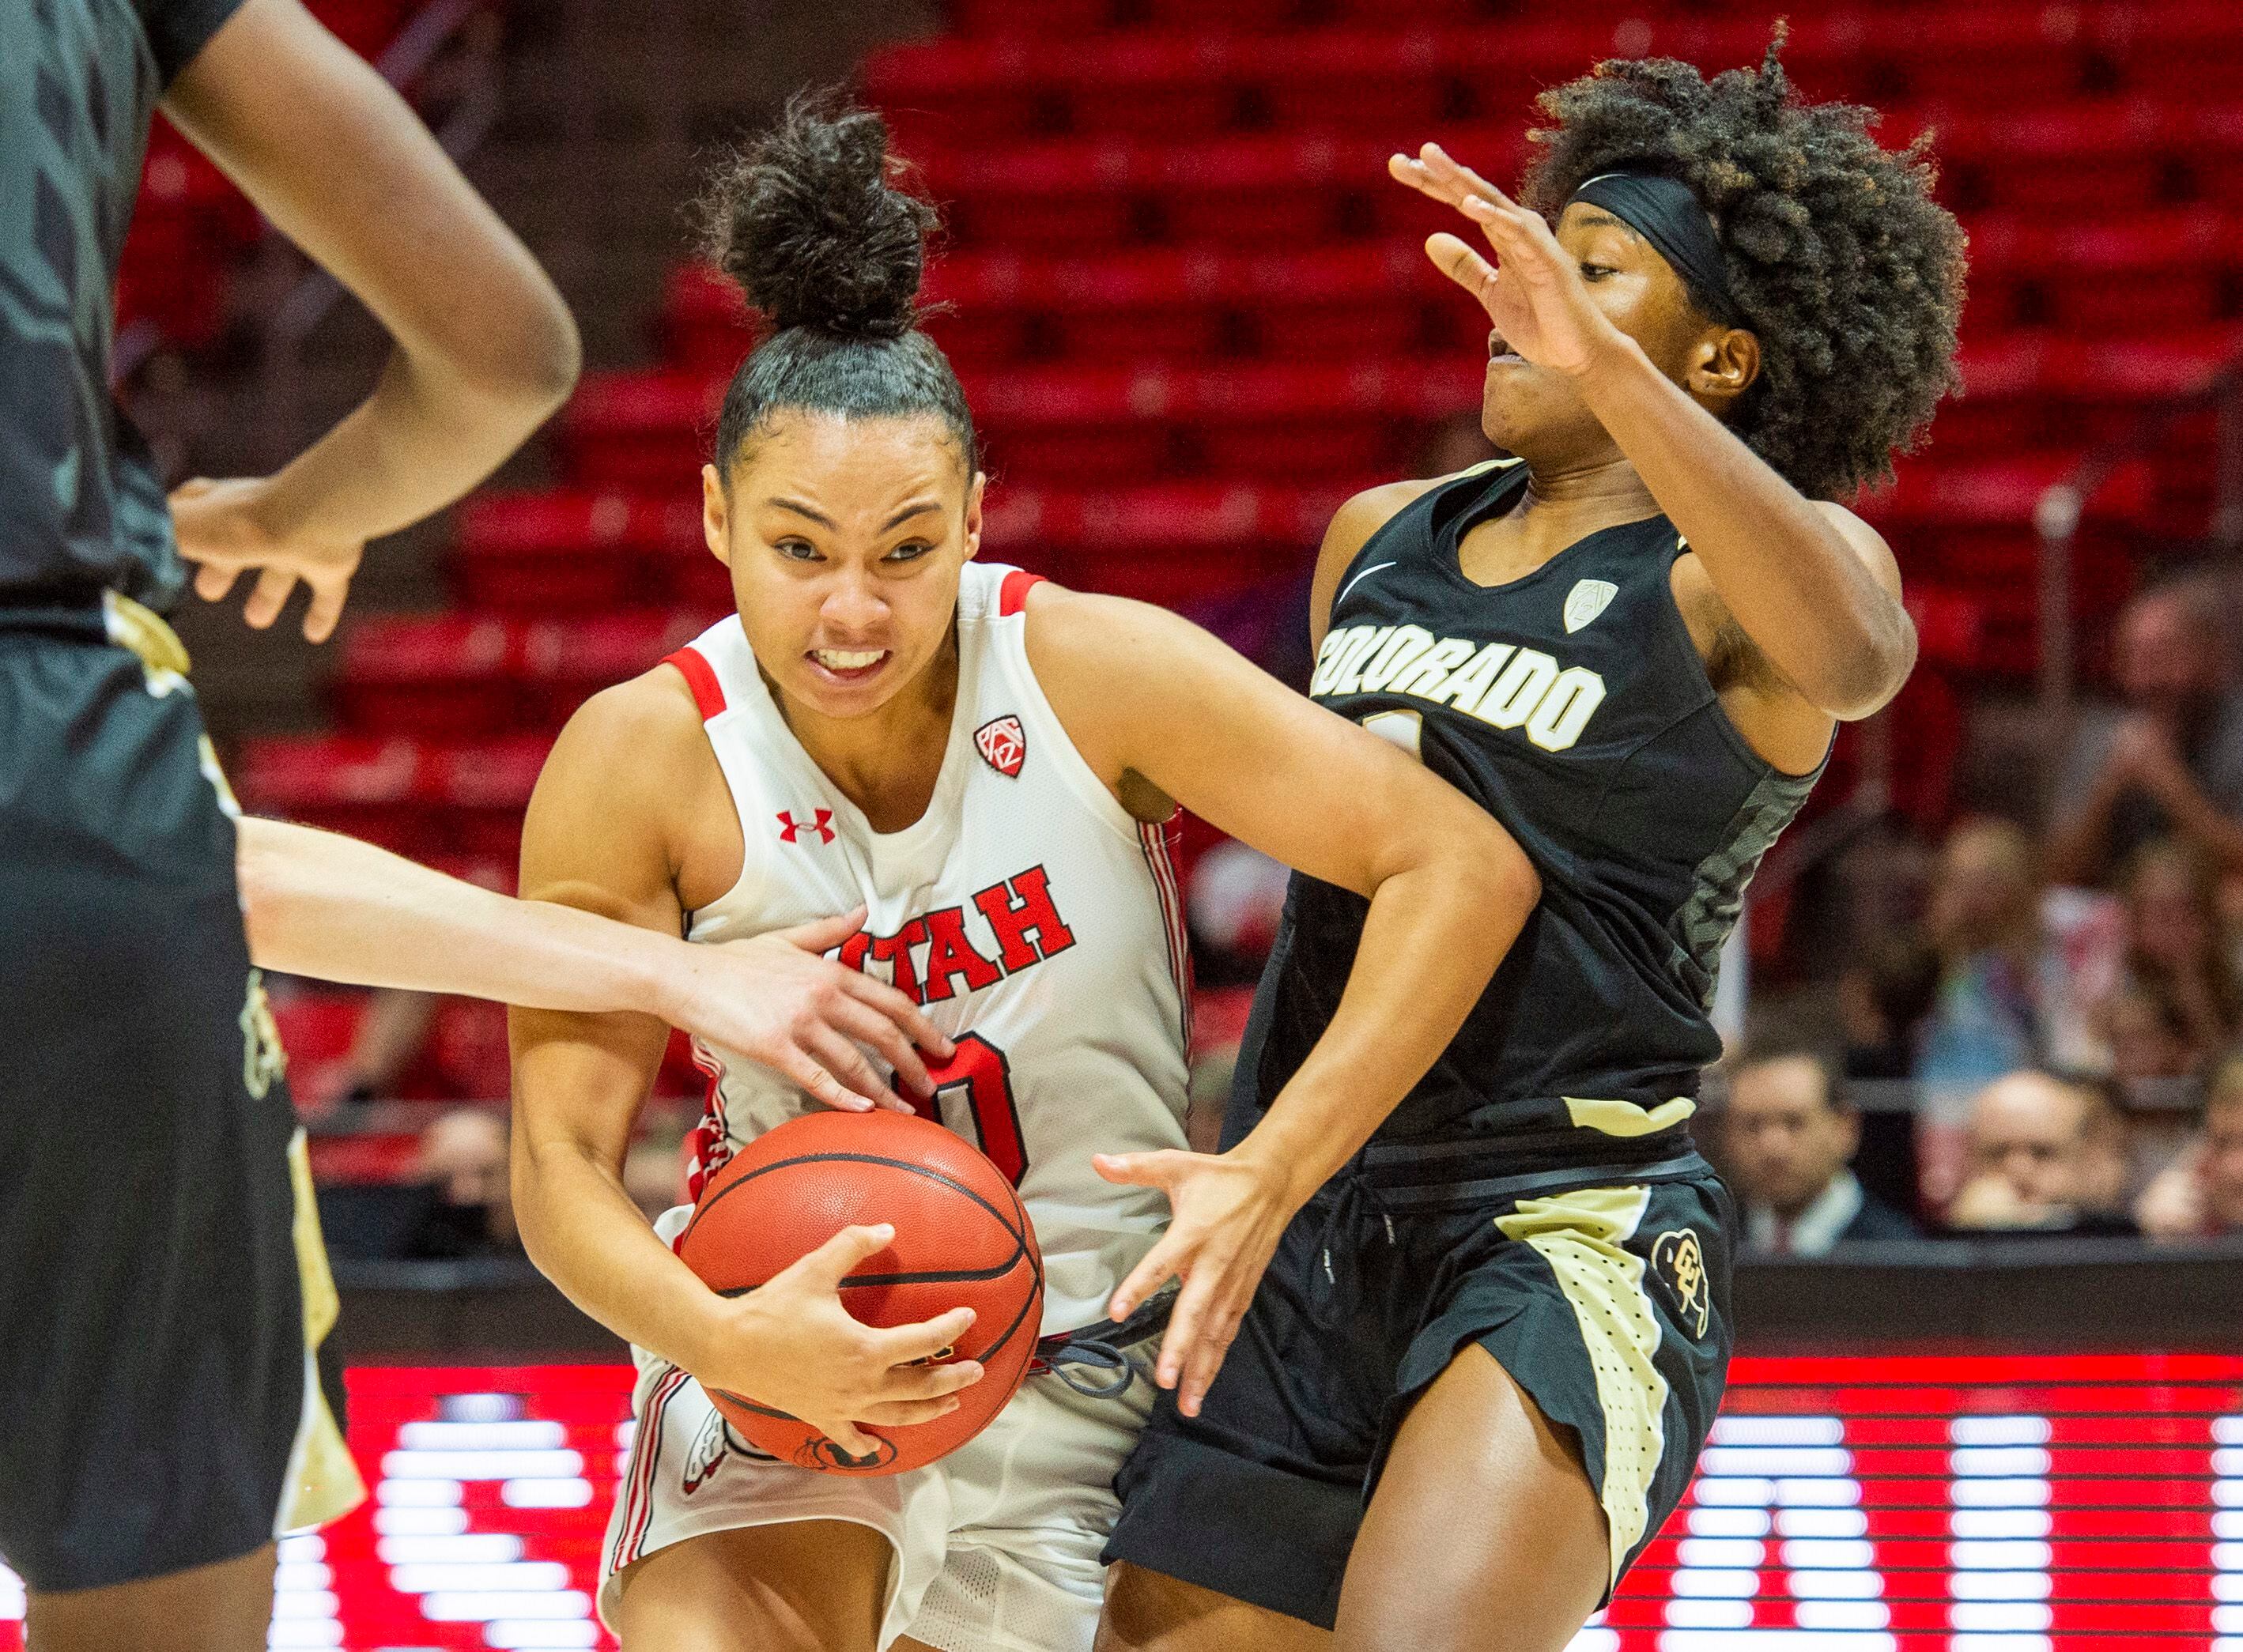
[903, 1414]
[850, 1438]
[933, 1339]
[268, 596]
[912, 1383]
[832, 1261]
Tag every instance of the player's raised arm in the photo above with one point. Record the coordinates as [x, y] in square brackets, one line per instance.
[1813, 588]
[1150, 699]
[486, 350]
[599, 835]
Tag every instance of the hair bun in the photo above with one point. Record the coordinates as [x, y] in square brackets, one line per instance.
[806, 218]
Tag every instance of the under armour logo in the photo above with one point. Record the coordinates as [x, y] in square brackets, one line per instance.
[789, 827]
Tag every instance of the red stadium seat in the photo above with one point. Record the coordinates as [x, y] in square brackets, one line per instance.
[2108, 159]
[446, 675]
[2192, 50]
[575, 550]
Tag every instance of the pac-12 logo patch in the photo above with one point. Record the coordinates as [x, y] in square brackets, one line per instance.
[1585, 600]
[1677, 1258]
[1002, 744]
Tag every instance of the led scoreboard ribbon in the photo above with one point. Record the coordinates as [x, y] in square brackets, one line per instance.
[1982, 1503]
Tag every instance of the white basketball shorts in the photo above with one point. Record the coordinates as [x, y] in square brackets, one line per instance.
[996, 1545]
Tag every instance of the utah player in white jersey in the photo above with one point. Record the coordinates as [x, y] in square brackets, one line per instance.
[978, 760]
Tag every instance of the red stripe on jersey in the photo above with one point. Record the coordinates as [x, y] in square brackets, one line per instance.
[646, 1448]
[1154, 840]
[1014, 592]
[708, 693]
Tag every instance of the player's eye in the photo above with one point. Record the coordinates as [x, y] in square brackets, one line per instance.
[796, 550]
[1596, 271]
[910, 551]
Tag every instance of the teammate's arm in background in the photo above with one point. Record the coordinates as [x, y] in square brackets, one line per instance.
[1149, 697]
[320, 905]
[485, 348]
[599, 837]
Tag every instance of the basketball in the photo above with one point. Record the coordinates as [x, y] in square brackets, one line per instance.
[962, 1241]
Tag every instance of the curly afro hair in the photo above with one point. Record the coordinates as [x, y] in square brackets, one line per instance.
[1843, 266]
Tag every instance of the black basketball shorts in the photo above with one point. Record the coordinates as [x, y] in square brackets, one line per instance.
[1607, 1299]
[155, 1400]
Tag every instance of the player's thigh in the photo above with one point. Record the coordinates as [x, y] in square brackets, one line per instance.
[222, 1608]
[1482, 1502]
[801, 1585]
[1149, 1611]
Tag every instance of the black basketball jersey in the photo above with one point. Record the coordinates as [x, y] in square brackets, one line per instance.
[1572, 704]
[82, 504]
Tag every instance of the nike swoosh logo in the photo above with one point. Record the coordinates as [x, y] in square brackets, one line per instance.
[1358, 580]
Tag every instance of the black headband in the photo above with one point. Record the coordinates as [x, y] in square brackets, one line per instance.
[1665, 213]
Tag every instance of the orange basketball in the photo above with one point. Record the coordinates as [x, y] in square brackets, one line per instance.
[962, 1241]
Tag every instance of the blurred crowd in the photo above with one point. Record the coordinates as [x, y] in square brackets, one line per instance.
[2052, 1040]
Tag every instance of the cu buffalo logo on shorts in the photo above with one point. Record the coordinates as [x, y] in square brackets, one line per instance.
[1676, 1257]
[822, 1453]
[1003, 745]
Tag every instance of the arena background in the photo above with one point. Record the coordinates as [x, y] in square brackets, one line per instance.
[1192, 315]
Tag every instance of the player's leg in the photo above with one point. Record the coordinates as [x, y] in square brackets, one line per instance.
[1562, 1392]
[152, 1362]
[222, 1608]
[1149, 1611]
[1484, 1534]
[803, 1586]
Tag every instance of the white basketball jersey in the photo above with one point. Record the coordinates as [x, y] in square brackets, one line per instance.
[1036, 922]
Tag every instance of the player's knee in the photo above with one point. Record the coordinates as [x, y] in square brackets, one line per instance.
[1149, 1611]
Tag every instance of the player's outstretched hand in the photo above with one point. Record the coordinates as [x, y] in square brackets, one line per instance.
[777, 1000]
[1228, 1211]
[792, 1346]
[1534, 293]
[226, 529]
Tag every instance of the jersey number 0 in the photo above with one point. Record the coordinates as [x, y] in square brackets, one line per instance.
[974, 1097]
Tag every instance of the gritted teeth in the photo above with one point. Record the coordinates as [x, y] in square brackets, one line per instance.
[848, 659]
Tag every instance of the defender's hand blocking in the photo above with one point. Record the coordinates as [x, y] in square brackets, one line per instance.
[1229, 1212]
[790, 1344]
[1533, 295]
[777, 1000]
[222, 527]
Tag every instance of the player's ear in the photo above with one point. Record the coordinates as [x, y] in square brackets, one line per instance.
[1724, 366]
[975, 490]
[716, 515]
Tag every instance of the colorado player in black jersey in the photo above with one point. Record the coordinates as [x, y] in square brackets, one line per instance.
[1493, 1334]
[159, 1278]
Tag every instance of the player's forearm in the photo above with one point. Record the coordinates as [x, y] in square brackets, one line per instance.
[320, 905]
[1798, 590]
[1431, 940]
[584, 1234]
[427, 434]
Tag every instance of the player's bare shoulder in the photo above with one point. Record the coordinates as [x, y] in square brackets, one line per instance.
[633, 768]
[1350, 529]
